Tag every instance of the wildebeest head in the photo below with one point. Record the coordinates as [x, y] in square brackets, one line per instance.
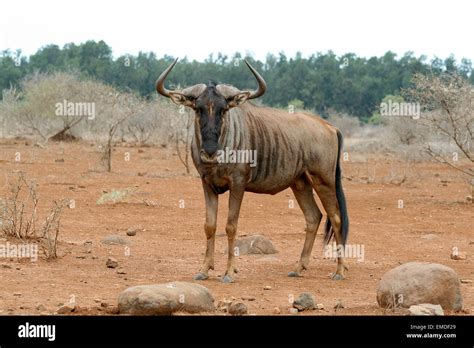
[210, 104]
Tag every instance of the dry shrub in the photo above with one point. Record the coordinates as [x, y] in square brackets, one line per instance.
[447, 102]
[19, 216]
[31, 112]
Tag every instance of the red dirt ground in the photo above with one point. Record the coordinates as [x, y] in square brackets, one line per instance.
[435, 218]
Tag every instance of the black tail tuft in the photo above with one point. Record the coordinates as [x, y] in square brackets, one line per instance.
[341, 200]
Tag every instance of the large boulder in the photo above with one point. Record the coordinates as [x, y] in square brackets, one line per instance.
[165, 299]
[256, 244]
[415, 283]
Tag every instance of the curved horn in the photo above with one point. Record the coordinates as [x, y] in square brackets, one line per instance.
[262, 86]
[160, 83]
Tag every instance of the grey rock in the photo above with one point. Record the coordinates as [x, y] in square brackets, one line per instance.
[238, 308]
[420, 282]
[426, 309]
[132, 232]
[165, 299]
[65, 309]
[248, 298]
[115, 240]
[111, 262]
[304, 302]
[256, 244]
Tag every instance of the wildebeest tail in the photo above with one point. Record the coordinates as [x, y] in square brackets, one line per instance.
[341, 200]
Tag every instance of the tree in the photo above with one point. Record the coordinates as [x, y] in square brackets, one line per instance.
[448, 104]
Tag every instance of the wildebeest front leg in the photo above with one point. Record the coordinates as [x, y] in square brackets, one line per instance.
[303, 192]
[210, 229]
[235, 200]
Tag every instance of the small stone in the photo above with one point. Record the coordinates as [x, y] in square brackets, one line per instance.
[121, 271]
[267, 287]
[6, 266]
[338, 305]
[466, 281]
[132, 232]
[458, 255]
[276, 310]
[17, 294]
[115, 240]
[304, 302]
[293, 311]
[41, 307]
[426, 309]
[320, 306]
[112, 310]
[469, 199]
[97, 300]
[248, 298]
[104, 304]
[238, 308]
[65, 309]
[111, 262]
[255, 244]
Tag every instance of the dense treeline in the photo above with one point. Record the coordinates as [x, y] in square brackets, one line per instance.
[346, 83]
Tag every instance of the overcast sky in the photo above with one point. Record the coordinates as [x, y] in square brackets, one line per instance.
[200, 27]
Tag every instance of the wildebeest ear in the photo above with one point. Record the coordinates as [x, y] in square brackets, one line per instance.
[182, 99]
[237, 99]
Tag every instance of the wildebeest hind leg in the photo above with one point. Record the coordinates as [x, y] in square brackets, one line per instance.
[327, 194]
[303, 192]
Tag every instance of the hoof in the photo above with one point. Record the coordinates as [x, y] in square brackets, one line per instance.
[337, 276]
[200, 276]
[227, 279]
[294, 274]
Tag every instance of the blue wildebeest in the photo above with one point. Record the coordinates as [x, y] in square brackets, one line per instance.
[298, 150]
